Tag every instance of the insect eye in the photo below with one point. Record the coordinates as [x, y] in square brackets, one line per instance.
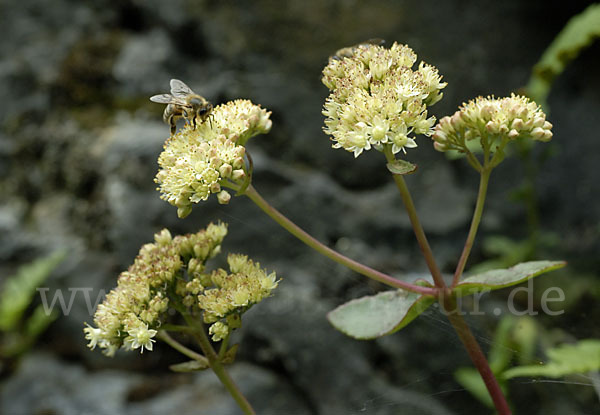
[203, 111]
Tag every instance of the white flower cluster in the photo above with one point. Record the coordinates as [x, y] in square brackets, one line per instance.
[196, 161]
[173, 270]
[377, 98]
[130, 314]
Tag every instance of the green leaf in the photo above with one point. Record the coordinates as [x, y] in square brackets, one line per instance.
[470, 379]
[375, 316]
[501, 278]
[501, 352]
[401, 167]
[39, 322]
[18, 290]
[190, 366]
[580, 32]
[566, 359]
[15, 343]
[525, 337]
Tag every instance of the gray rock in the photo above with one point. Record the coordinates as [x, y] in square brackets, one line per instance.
[140, 63]
[46, 384]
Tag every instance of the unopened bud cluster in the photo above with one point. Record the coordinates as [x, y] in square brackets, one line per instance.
[196, 161]
[377, 98]
[492, 119]
[131, 314]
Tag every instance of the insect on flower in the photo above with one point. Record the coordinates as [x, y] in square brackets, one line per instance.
[184, 103]
[349, 51]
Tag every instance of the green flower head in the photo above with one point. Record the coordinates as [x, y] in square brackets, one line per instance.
[378, 100]
[197, 161]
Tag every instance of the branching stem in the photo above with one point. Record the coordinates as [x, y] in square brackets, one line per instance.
[215, 364]
[164, 336]
[446, 299]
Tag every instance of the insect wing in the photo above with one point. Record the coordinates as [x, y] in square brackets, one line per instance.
[375, 41]
[179, 89]
[167, 99]
[348, 51]
[162, 98]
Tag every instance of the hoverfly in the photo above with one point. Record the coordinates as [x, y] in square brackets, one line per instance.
[184, 103]
[349, 51]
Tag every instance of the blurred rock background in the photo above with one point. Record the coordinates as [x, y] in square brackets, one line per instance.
[79, 141]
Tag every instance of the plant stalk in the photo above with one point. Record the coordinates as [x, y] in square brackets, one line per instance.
[299, 233]
[447, 301]
[164, 336]
[215, 364]
[416, 224]
[462, 262]
[476, 354]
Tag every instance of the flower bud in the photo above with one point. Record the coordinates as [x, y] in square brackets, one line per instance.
[517, 124]
[223, 197]
[225, 170]
[163, 237]
[456, 120]
[238, 175]
[184, 211]
[201, 250]
[538, 133]
[538, 121]
[238, 163]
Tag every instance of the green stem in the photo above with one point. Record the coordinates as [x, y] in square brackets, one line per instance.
[164, 336]
[530, 197]
[223, 347]
[476, 354]
[473, 160]
[200, 335]
[462, 262]
[416, 224]
[295, 230]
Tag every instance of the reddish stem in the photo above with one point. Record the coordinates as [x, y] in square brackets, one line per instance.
[476, 355]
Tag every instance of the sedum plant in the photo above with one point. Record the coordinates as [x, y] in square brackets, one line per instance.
[172, 273]
[379, 99]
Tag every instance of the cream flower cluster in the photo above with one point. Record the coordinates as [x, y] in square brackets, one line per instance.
[491, 119]
[234, 292]
[174, 270]
[130, 314]
[196, 161]
[377, 98]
